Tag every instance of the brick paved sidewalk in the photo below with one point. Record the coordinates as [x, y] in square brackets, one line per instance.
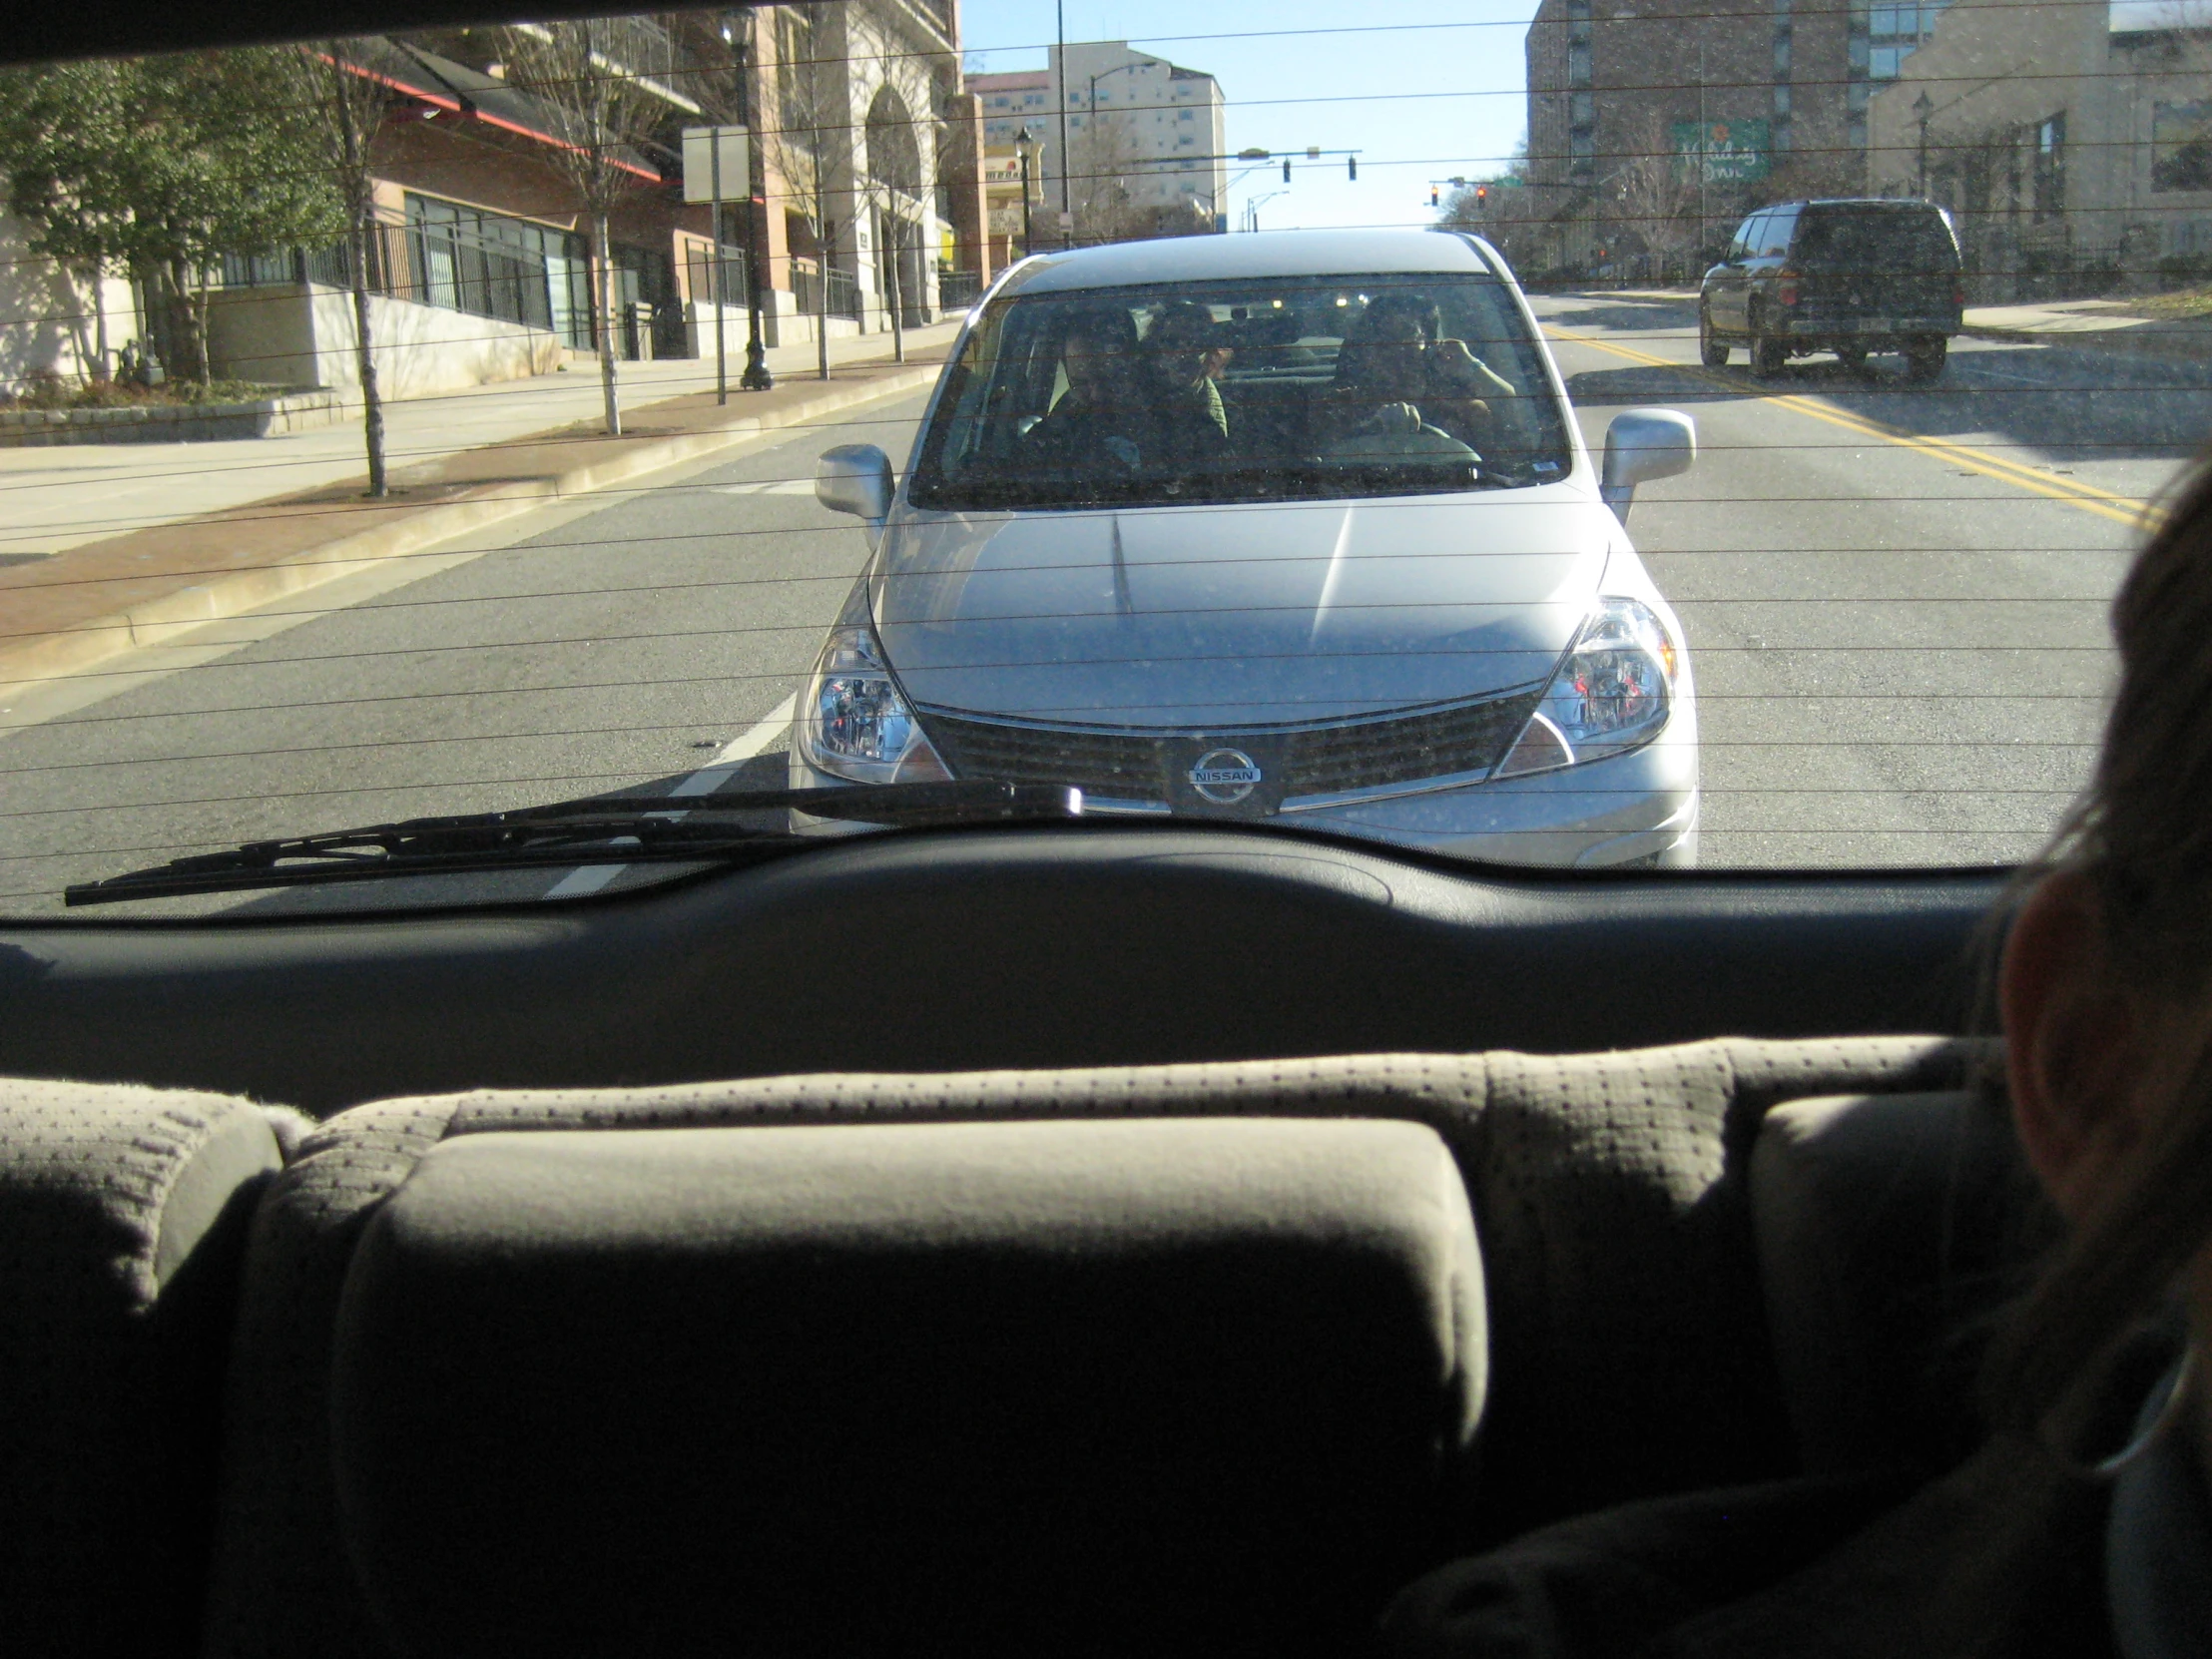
[104, 599]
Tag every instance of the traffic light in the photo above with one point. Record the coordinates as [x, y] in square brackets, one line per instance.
[1434, 201]
[1285, 170]
[1351, 166]
[1481, 197]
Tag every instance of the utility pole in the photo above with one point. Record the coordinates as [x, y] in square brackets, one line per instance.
[1067, 204]
[720, 283]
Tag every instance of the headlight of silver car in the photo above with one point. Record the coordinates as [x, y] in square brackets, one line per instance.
[855, 722]
[1613, 692]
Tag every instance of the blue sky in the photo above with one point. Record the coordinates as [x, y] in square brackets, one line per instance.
[1343, 89]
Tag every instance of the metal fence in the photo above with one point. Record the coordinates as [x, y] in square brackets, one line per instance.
[699, 269]
[845, 292]
[957, 291]
[451, 265]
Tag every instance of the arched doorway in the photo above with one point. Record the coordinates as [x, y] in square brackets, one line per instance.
[897, 206]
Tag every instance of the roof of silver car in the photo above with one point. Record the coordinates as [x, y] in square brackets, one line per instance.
[1269, 253]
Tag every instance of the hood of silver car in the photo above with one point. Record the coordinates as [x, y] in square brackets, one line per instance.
[1212, 616]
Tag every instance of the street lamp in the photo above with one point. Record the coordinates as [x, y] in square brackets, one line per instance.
[1025, 142]
[755, 376]
[1924, 107]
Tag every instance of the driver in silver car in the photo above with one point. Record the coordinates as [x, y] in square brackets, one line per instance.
[1399, 380]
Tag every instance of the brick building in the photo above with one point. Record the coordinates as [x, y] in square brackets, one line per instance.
[1653, 124]
[868, 182]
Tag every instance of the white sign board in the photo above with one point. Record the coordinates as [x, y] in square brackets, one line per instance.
[699, 146]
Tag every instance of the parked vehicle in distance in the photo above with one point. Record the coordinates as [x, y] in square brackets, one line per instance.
[1847, 276]
[1293, 527]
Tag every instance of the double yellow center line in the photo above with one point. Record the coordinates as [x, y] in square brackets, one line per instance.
[2121, 509]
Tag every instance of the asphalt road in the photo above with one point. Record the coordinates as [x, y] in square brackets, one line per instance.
[1894, 598]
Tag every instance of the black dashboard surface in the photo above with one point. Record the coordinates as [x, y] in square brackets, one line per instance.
[942, 951]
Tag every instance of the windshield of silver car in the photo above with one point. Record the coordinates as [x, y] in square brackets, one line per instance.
[1245, 391]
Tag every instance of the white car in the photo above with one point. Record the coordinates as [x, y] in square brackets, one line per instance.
[1293, 528]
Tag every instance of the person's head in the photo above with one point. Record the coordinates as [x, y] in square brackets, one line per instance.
[2105, 994]
[1179, 342]
[1094, 350]
[1388, 344]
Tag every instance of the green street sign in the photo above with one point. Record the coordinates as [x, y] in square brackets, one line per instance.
[1731, 151]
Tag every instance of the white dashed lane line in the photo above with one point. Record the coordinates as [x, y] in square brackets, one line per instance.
[589, 879]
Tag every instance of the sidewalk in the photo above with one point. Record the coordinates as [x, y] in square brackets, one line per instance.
[66, 495]
[108, 596]
[2095, 325]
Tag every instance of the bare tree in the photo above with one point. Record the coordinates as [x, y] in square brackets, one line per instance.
[805, 133]
[1655, 194]
[1105, 161]
[601, 115]
[335, 79]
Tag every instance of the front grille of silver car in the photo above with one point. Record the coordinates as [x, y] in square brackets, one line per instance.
[1438, 741]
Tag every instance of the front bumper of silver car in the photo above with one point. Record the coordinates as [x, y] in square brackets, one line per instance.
[1636, 809]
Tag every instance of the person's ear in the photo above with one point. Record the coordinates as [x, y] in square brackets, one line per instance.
[2075, 1043]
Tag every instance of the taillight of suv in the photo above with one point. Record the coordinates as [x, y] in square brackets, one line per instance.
[1786, 283]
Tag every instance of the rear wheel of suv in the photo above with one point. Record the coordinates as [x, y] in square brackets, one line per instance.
[1768, 355]
[1712, 350]
[1924, 359]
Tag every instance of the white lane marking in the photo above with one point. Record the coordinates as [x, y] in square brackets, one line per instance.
[734, 754]
[772, 486]
[583, 880]
[589, 879]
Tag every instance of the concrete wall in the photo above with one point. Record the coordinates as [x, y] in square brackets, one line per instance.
[49, 322]
[1992, 73]
[304, 337]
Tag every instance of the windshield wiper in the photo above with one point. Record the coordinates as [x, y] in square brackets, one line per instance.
[610, 828]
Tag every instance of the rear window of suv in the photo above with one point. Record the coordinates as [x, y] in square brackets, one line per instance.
[1877, 239]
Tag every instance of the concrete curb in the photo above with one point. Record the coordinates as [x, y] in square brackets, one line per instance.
[160, 621]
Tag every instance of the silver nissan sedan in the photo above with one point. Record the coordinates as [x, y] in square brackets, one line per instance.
[1292, 527]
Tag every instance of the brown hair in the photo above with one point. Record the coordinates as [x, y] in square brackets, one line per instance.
[2142, 838]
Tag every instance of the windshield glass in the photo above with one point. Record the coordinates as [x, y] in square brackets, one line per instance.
[1244, 392]
[1556, 435]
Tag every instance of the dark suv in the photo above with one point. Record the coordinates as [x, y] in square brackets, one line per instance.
[1847, 276]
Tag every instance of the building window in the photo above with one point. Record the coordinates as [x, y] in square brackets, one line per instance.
[2181, 147]
[1578, 66]
[1582, 111]
[1893, 34]
[487, 264]
[1782, 102]
[2051, 167]
[1782, 52]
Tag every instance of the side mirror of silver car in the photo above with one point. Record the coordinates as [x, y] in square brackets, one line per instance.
[856, 478]
[1640, 445]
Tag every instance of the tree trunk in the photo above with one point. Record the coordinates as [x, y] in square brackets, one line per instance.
[361, 204]
[191, 349]
[372, 400]
[603, 286]
[822, 295]
[898, 299]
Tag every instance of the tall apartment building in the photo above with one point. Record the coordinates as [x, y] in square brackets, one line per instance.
[1145, 147]
[1652, 124]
